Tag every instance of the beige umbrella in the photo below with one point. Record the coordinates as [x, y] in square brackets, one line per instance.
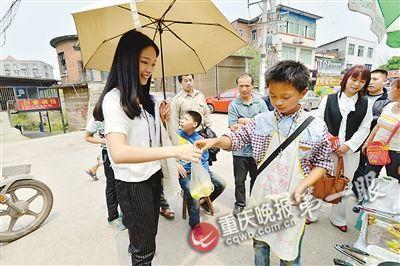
[193, 35]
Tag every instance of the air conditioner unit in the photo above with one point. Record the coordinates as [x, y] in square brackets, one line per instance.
[298, 40]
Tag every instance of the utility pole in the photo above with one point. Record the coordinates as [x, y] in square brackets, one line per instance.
[268, 23]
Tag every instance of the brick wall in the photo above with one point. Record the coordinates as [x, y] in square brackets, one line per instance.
[76, 105]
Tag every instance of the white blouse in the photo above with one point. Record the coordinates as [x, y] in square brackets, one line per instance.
[137, 134]
[347, 105]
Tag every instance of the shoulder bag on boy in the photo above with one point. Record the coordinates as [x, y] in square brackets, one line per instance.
[378, 151]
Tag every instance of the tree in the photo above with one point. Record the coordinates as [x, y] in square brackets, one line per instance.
[392, 64]
[254, 62]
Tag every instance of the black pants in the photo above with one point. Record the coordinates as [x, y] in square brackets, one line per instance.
[391, 169]
[140, 204]
[242, 166]
[111, 195]
[359, 172]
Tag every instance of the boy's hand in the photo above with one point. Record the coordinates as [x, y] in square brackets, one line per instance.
[342, 150]
[243, 120]
[205, 144]
[298, 194]
[182, 171]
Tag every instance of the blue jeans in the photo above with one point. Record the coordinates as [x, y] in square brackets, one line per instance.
[262, 250]
[193, 205]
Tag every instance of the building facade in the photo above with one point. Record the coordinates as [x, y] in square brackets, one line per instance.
[294, 38]
[352, 50]
[10, 67]
[80, 87]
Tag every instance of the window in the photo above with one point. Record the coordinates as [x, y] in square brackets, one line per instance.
[305, 56]
[351, 49]
[288, 53]
[305, 30]
[241, 32]
[63, 65]
[348, 66]
[7, 67]
[283, 27]
[360, 51]
[370, 52]
[16, 70]
[21, 93]
[291, 28]
[34, 66]
[254, 35]
[35, 73]
[369, 66]
[311, 31]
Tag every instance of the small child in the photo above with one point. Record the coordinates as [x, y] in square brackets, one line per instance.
[296, 168]
[187, 134]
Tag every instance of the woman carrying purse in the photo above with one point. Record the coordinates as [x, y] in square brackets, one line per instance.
[386, 132]
[348, 115]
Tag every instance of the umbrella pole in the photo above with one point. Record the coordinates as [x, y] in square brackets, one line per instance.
[160, 30]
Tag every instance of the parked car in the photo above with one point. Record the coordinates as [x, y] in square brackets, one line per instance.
[220, 103]
[310, 101]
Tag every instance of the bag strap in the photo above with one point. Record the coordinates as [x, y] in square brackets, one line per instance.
[393, 132]
[286, 143]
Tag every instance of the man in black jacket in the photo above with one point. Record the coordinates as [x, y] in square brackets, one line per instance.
[377, 93]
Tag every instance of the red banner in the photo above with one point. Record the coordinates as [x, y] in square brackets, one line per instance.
[38, 104]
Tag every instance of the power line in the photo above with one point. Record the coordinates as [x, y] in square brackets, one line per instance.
[7, 19]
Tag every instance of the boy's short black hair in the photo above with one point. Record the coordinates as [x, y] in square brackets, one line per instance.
[196, 117]
[291, 72]
[381, 71]
[180, 77]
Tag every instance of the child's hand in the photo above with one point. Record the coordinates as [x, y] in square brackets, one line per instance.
[298, 194]
[205, 144]
[342, 150]
[181, 170]
[243, 120]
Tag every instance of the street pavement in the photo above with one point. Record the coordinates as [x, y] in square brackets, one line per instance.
[76, 231]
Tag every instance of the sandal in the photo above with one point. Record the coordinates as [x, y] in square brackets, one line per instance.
[93, 176]
[167, 213]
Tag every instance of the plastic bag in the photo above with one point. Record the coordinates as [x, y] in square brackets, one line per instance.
[200, 182]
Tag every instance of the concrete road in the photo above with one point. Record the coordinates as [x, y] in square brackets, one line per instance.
[76, 232]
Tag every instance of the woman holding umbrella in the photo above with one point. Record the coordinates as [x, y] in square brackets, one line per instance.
[131, 119]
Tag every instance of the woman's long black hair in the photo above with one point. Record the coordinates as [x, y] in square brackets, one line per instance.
[124, 75]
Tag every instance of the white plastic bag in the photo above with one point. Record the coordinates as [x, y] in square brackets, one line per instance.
[200, 182]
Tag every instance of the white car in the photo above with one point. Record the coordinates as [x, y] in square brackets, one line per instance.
[310, 101]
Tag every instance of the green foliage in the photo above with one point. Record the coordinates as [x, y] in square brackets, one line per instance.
[322, 90]
[392, 64]
[254, 62]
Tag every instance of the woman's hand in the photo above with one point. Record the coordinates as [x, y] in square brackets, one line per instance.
[182, 171]
[364, 147]
[165, 111]
[342, 150]
[205, 144]
[187, 152]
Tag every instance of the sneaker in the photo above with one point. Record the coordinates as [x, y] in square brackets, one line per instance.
[116, 224]
[237, 210]
[93, 176]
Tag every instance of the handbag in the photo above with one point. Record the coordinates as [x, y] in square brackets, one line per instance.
[378, 151]
[329, 188]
